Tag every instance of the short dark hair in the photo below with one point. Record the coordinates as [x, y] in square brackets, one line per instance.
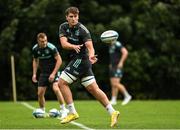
[73, 10]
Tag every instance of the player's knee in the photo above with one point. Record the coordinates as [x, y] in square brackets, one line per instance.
[62, 82]
[91, 90]
[115, 84]
[94, 90]
[40, 93]
[55, 88]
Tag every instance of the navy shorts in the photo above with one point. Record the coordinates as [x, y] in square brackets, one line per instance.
[116, 72]
[44, 79]
[79, 67]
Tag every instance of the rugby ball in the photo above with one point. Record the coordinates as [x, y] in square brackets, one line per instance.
[38, 113]
[54, 113]
[109, 36]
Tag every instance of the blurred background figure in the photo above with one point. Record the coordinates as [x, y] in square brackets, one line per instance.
[117, 57]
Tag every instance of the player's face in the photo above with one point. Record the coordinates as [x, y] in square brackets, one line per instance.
[42, 42]
[72, 19]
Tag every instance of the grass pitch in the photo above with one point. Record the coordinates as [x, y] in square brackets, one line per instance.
[135, 115]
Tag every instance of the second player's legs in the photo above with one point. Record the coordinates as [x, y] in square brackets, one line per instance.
[115, 83]
[66, 92]
[114, 95]
[58, 93]
[114, 90]
[61, 101]
[41, 98]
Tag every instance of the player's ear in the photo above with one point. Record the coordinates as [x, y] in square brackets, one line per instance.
[78, 16]
[66, 17]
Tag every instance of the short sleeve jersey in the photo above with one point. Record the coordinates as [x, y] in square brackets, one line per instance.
[77, 35]
[46, 57]
[115, 53]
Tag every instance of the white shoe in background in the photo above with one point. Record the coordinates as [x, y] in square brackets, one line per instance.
[126, 100]
[113, 102]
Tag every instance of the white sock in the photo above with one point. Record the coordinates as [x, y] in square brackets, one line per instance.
[62, 106]
[110, 109]
[71, 108]
[113, 98]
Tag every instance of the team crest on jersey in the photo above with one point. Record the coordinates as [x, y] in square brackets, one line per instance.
[47, 51]
[77, 32]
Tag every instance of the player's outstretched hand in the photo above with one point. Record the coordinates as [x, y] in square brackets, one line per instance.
[77, 48]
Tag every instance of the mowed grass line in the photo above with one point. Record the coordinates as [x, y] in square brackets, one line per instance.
[135, 115]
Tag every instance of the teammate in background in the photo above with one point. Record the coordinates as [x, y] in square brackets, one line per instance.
[47, 58]
[118, 55]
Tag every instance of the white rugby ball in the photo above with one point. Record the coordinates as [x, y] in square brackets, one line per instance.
[38, 113]
[54, 113]
[109, 36]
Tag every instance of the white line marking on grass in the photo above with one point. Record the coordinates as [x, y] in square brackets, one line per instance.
[72, 122]
[28, 105]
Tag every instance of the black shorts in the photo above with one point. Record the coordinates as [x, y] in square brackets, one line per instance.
[116, 72]
[79, 67]
[44, 79]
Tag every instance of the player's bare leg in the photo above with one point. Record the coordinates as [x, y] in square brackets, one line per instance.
[61, 101]
[114, 92]
[66, 92]
[115, 82]
[41, 98]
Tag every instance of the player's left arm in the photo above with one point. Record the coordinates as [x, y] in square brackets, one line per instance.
[92, 57]
[58, 59]
[124, 56]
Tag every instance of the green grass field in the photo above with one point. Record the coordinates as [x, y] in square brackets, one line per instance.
[135, 115]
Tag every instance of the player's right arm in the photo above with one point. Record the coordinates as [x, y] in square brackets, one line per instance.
[64, 40]
[35, 67]
[66, 45]
[92, 57]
